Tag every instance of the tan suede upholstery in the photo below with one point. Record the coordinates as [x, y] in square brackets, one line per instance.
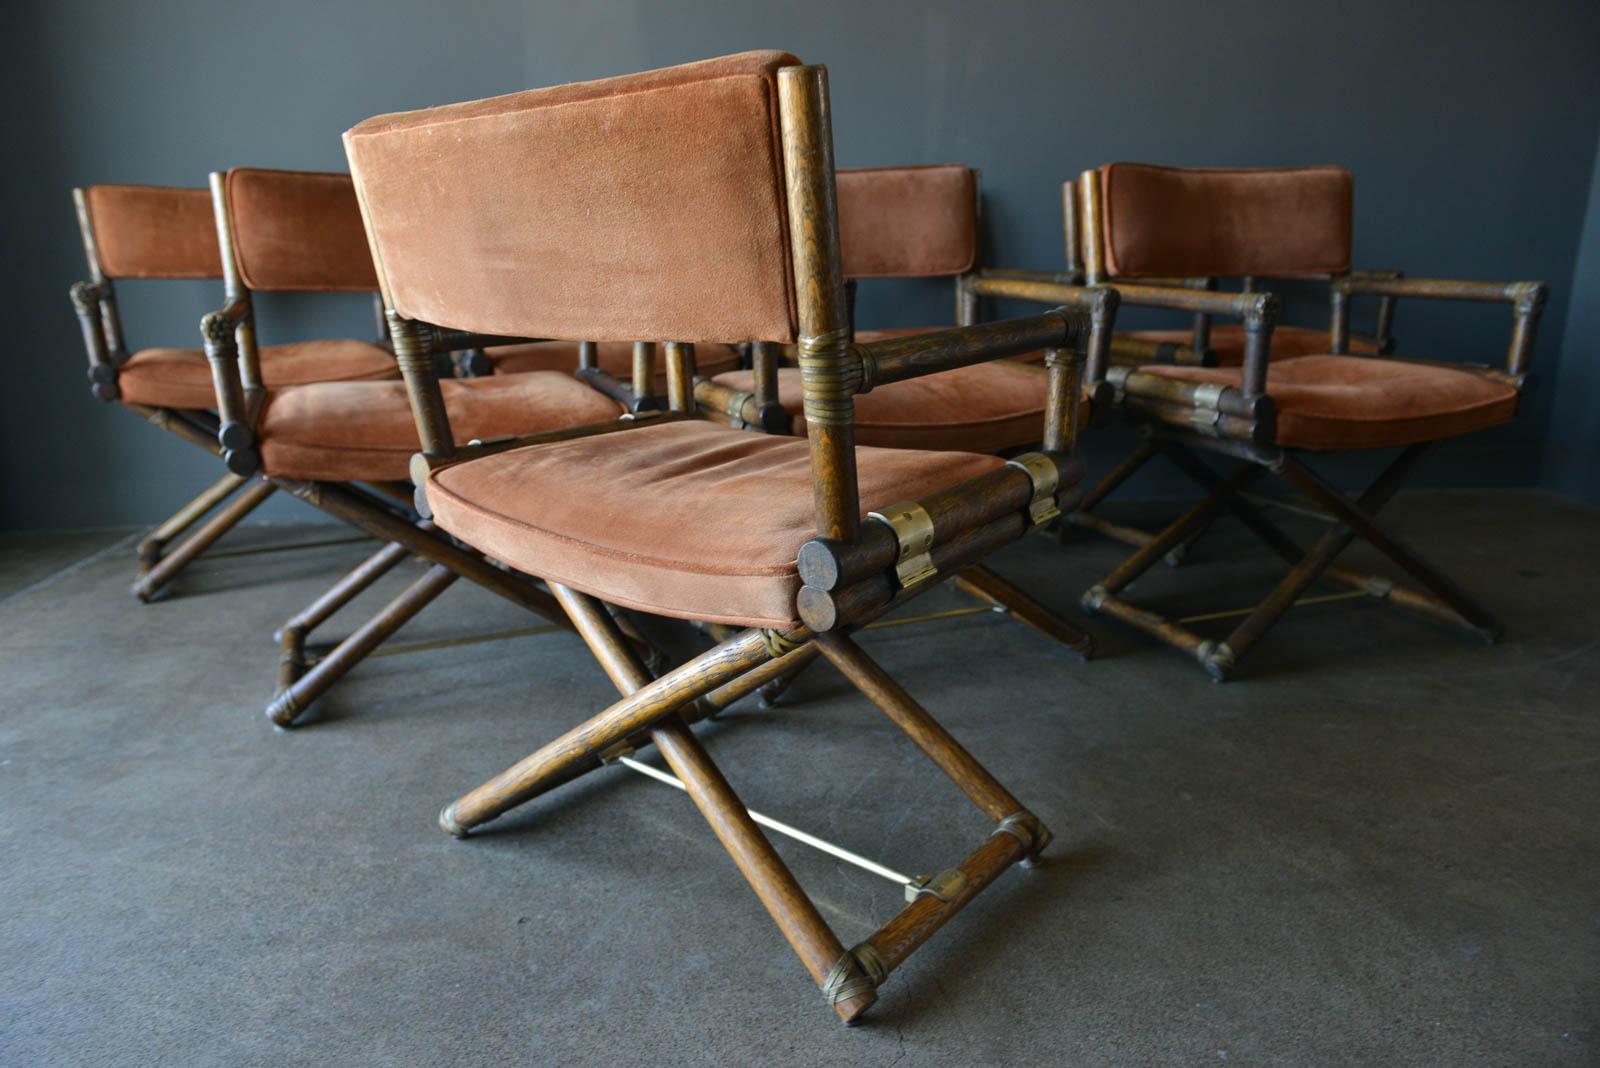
[1173, 221]
[149, 231]
[298, 230]
[181, 378]
[646, 206]
[615, 358]
[363, 431]
[714, 517]
[1327, 402]
[987, 407]
[1227, 341]
[908, 222]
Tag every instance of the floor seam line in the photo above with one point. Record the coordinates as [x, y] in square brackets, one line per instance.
[72, 568]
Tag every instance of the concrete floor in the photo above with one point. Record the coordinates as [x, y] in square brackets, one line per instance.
[1378, 847]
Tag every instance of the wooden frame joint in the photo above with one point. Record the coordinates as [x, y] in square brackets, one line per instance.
[857, 972]
[1527, 298]
[778, 643]
[1026, 828]
[735, 409]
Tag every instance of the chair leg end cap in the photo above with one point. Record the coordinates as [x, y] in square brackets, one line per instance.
[1218, 660]
[282, 711]
[448, 824]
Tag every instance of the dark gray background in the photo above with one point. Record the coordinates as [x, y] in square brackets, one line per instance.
[1471, 128]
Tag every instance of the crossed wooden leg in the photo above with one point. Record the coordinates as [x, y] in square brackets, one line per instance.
[658, 711]
[1441, 599]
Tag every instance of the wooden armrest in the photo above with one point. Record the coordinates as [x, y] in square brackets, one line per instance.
[1441, 288]
[1040, 288]
[894, 359]
[1526, 300]
[1238, 305]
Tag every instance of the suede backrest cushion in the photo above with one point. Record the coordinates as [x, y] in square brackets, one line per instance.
[149, 231]
[298, 230]
[908, 222]
[1182, 222]
[650, 206]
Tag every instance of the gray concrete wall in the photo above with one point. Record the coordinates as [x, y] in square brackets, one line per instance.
[1572, 453]
[1471, 129]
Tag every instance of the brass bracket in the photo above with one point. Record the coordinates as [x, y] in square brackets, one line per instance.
[735, 410]
[913, 529]
[1377, 586]
[1209, 394]
[1026, 828]
[944, 886]
[1117, 378]
[1046, 479]
[1207, 415]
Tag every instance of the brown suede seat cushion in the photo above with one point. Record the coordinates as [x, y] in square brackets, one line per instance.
[364, 432]
[181, 378]
[685, 519]
[615, 359]
[987, 407]
[1227, 341]
[1327, 402]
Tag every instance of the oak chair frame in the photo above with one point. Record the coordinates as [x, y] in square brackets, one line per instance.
[228, 501]
[762, 409]
[853, 572]
[385, 511]
[1180, 417]
[1083, 239]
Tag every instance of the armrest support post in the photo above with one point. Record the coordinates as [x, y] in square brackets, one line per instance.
[1260, 312]
[680, 377]
[415, 344]
[644, 375]
[1062, 416]
[1527, 304]
[86, 298]
[235, 434]
[765, 358]
[1103, 302]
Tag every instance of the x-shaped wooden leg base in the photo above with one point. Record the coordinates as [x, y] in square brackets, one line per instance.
[1440, 598]
[657, 712]
[300, 685]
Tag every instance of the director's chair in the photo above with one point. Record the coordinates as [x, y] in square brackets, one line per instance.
[717, 180]
[1272, 415]
[346, 447]
[162, 232]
